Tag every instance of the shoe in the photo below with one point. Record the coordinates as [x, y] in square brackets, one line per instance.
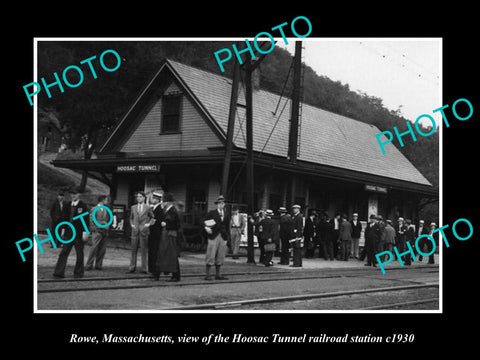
[88, 268]
[173, 280]
[367, 265]
[130, 272]
[143, 272]
[98, 268]
[78, 276]
[207, 277]
[221, 277]
[58, 276]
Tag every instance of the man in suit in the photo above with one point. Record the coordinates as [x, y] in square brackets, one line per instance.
[285, 234]
[400, 239]
[334, 233]
[421, 230]
[140, 216]
[75, 208]
[356, 232]
[237, 229]
[309, 233]
[217, 224]
[345, 236]
[434, 235]
[58, 213]
[267, 236]
[155, 231]
[296, 236]
[99, 234]
[372, 238]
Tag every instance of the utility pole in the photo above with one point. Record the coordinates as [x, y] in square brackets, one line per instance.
[231, 127]
[249, 140]
[294, 118]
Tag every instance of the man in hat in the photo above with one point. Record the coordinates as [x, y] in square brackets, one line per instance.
[140, 216]
[389, 236]
[58, 213]
[216, 224]
[372, 238]
[167, 258]
[237, 229]
[309, 234]
[421, 230]
[99, 234]
[434, 235]
[296, 236]
[345, 236]
[285, 235]
[155, 233]
[266, 237]
[400, 230]
[74, 208]
[356, 232]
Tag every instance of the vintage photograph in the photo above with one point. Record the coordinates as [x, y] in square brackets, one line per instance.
[164, 184]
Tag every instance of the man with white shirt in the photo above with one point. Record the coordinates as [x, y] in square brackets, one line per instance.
[75, 208]
[140, 216]
[237, 228]
[99, 234]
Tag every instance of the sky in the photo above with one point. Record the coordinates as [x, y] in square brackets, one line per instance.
[404, 72]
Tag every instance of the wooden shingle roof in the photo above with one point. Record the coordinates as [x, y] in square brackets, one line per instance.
[325, 138]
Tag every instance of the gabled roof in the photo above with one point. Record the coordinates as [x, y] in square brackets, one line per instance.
[325, 138]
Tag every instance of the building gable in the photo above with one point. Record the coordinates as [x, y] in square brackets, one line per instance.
[193, 134]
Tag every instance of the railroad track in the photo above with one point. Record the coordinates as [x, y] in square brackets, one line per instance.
[194, 279]
[317, 296]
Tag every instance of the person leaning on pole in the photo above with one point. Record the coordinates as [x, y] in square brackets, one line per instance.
[216, 225]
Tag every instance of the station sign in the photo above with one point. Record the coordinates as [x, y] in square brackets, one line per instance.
[146, 168]
[376, 188]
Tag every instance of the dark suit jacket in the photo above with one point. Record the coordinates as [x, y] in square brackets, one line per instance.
[285, 227]
[356, 229]
[309, 230]
[267, 225]
[57, 215]
[156, 229]
[297, 226]
[220, 227]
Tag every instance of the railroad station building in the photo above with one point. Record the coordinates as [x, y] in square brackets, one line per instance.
[173, 137]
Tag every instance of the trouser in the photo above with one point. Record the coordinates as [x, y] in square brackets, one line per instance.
[328, 249]
[370, 252]
[354, 249]
[297, 253]
[345, 246]
[216, 250]
[63, 257]
[98, 249]
[285, 254]
[309, 247]
[153, 244]
[261, 245]
[139, 239]
[235, 236]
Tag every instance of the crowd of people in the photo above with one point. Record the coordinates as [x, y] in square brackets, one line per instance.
[156, 226]
[336, 238]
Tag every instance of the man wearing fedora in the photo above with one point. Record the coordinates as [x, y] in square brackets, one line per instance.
[217, 224]
[285, 235]
[267, 236]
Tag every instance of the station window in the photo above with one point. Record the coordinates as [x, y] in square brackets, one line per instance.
[171, 110]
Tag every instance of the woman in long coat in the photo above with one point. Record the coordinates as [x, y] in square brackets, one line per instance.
[167, 260]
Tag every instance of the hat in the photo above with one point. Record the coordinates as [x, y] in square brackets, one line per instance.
[296, 206]
[354, 214]
[282, 209]
[389, 221]
[373, 216]
[269, 212]
[168, 197]
[421, 221]
[433, 224]
[400, 219]
[157, 195]
[219, 199]
[379, 217]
